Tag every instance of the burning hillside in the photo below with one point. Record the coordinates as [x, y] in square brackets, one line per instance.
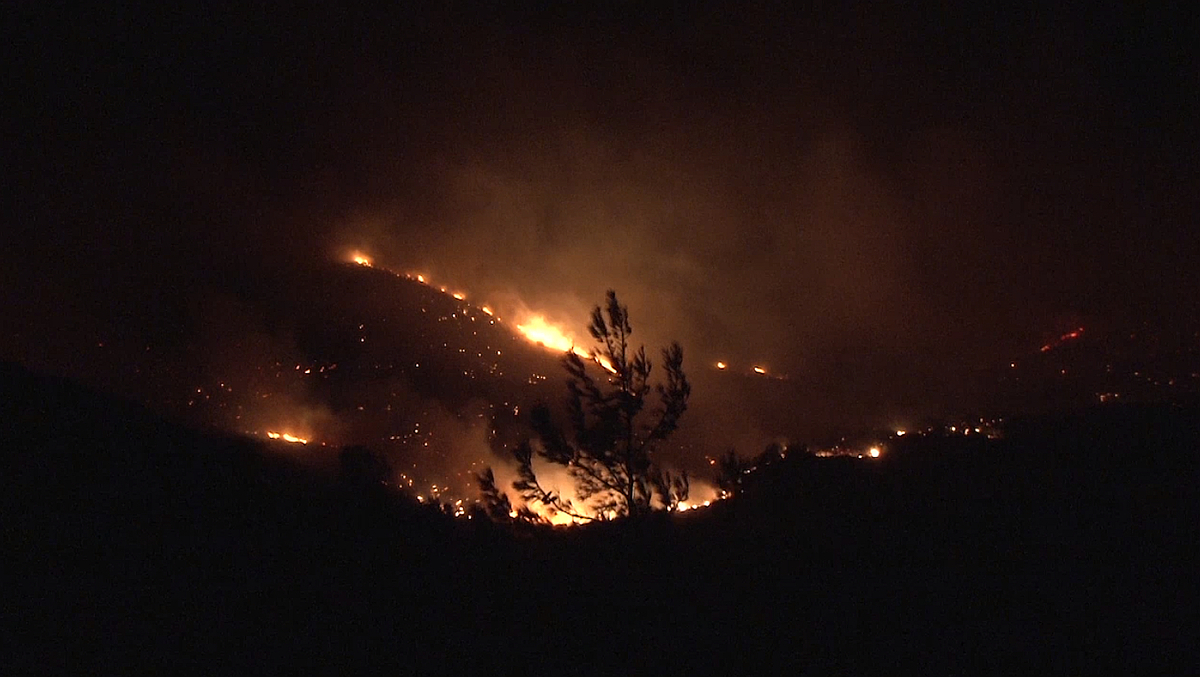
[533, 326]
[439, 383]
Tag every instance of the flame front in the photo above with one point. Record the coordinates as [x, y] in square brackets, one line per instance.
[538, 330]
[286, 437]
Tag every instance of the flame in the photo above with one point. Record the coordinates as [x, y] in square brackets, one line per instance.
[286, 437]
[760, 370]
[538, 330]
[873, 452]
[1069, 336]
[721, 365]
[702, 495]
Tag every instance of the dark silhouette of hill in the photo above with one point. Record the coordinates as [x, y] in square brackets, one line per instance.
[133, 542]
[1141, 364]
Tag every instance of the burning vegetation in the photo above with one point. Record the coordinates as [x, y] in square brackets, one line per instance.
[441, 385]
[286, 437]
[609, 454]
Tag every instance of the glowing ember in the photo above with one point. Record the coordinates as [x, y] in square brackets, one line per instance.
[759, 370]
[286, 437]
[487, 310]
[459, 295]
[721, 365]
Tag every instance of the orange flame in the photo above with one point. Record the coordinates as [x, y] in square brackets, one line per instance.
[536, 329]
[286, 437]
[540, 331]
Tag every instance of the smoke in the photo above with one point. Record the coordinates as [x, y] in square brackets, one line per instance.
[870, 205]
[792, 266]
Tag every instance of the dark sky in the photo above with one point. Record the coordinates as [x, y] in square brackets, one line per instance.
[882, 195]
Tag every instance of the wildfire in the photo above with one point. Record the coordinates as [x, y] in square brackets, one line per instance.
[1069, 336]
[539, 331]
[703, 495]
[286, 437]
[536, 328]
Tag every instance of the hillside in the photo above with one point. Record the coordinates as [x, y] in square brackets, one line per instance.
[141, 544]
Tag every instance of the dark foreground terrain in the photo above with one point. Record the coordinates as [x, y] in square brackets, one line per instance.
[130, 542]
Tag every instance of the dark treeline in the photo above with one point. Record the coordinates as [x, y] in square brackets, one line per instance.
[134, 543]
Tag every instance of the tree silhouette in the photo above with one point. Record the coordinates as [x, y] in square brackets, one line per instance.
[363, 468]
[731, 470]
[610, 451]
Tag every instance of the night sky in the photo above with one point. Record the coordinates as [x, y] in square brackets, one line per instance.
[885, 198]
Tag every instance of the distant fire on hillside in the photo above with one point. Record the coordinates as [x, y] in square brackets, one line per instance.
[286, 437]
[1065, 338]
[532, 326]
[439, 379]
